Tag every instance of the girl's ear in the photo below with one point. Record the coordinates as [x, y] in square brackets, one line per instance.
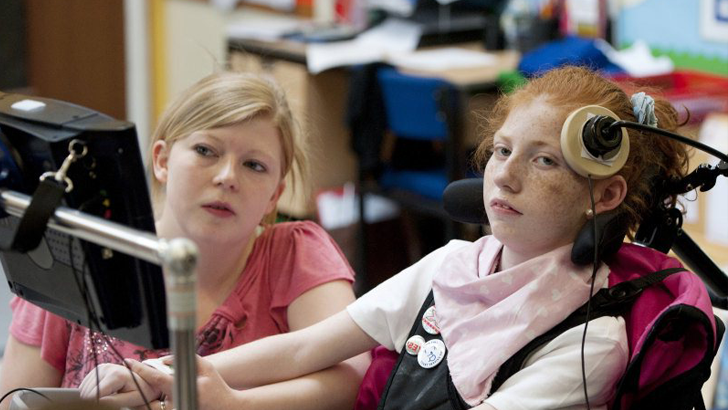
[613, 191]
[160, 158]
[275, 197]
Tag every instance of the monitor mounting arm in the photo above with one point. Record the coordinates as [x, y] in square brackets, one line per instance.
[178, 257]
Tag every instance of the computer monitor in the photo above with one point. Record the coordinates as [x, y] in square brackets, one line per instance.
[125, 295]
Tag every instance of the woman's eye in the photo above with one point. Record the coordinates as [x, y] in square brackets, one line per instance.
[546, 161]
[203, 150]
[255, 166]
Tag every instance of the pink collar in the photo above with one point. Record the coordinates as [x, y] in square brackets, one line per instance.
[486, 317]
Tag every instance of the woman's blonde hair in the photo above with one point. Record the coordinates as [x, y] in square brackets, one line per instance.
[570, 88]
[229, 98]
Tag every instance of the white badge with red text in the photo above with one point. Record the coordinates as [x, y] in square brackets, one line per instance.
[414, 344]
[429, 321]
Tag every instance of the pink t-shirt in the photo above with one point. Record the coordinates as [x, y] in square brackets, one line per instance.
[287, 260]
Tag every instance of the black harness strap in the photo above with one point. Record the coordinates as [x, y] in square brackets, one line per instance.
[46, 198]
[614, 301]
[412, 387]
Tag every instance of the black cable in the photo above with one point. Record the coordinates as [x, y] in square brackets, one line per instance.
[678, 137]
[90, 310]
[5, 396]
[591, 288]
[93, 320]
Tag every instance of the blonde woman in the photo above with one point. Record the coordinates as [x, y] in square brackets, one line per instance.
[220, 157]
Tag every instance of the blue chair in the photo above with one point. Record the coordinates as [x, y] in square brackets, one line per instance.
[420, 109]
[425, 110]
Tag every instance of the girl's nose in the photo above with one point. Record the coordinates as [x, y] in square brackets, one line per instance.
[508, 175]
[226, 176]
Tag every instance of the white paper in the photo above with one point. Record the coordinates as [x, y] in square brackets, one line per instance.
[338, 209]
[714, 20]
[322, 56]
[402, 8]
[443, 59]
[377, 44]
[637, 60]
[394, 35]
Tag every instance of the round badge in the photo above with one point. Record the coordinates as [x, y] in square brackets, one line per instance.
[429, 321]
[431, 353]
[414, 344]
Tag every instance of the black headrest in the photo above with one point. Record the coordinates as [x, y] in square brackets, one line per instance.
[463, 201]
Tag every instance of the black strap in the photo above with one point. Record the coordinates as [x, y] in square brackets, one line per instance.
[385, 401]
[613, 301]
[46, 198]
[408, 381]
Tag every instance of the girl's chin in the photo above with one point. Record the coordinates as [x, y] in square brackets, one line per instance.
[216, 237]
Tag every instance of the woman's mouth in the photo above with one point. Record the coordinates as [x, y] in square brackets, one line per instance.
[220, 209]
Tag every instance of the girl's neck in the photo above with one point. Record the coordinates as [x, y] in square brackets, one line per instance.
[218, 268]
[510, 258]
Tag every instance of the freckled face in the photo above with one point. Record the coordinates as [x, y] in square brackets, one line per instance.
[535, 203]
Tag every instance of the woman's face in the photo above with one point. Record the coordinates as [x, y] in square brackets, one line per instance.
[220, 183]
[535, 203]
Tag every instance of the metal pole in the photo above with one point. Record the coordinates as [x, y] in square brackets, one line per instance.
[178, 257]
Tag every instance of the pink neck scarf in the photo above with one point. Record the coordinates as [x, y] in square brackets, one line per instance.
[486, 316]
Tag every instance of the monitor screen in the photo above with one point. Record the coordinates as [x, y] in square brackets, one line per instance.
[85, 283]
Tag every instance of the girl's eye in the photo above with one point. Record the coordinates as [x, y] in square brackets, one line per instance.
[502, 151]
[203, 150]
[255, 166]
[546, 161]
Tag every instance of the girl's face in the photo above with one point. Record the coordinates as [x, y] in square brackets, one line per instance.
[220, 183]
[535, 203]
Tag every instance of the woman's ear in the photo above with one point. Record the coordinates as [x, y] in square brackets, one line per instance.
[612, 190]
[160, 158]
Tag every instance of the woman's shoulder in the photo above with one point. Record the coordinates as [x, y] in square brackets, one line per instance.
[296, 231]
[302, 243]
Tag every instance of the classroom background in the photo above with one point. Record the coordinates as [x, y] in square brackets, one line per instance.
[129, 58]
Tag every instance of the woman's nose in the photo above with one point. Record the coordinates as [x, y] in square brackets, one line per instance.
[508, 175]
[226, 175]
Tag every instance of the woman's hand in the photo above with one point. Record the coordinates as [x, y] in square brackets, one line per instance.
[212, 391]
[118, 386]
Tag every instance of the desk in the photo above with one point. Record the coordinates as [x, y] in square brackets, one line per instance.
[319, 102]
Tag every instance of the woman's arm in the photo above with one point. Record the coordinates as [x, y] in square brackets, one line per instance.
[22, 366]
[332, 388]
[272, 359]
[264, 361]
[310, 349]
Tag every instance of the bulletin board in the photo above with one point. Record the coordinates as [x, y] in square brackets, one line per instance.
[714, 20]
[694, 34]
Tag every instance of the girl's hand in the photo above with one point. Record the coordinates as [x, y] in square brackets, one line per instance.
[212, 391]
[116, 386]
